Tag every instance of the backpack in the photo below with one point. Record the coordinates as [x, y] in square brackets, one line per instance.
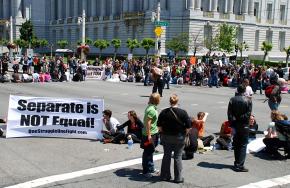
[283, 127]
[268, 90]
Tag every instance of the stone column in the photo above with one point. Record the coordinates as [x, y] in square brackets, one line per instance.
[114, 7]
[145, 4]
[197, 4]
[225, 8]
[151, 4]
[16, 8]
[163, 4]
[125, 5]
[52, 6]
[245, 7]
[251, 7]
[103, 7]
[190, 4]
[93, 7]
[59, 9]
[75, 9]
[67, 8]
[131, 5]
[214, 4]
[230, 6]
[5, 9]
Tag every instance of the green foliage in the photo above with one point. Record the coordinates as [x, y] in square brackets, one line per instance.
[226, 37]
[101, 44]
[132, 44]
[266, 47]
[62, 43]
[26, 31]
[210, 43]
[4, 42]
[116, 43]
[242, 47]
[180, 43]
[43, 42]
[21, 43]
[88, 41]
[147, 43]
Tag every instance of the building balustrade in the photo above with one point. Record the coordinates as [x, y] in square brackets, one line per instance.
[283, 22]
[208, 14]
[116, 17]
[240, 17]
[224, 16]
[258, 20]
[60, 21]
[69, 20]
[53, 22]
[106, 18]
[270, 21]
[133, 15]
[96, 18]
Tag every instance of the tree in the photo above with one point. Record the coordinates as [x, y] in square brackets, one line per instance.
[225, 37]
[26, 31]
[43, 42]
[287, 50]
[116, 43]
[21, 43]
[242, 47]
[62, 43]
[4, 42]
[266, 47]
[132, 44]
[195, 43]
[147, 43]
[101, 44]
[180, 43]
[88, 41]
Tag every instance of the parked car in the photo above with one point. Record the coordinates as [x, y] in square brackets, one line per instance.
[286, 73]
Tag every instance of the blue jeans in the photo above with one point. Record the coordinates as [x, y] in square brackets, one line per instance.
[147, 157]
[273, 105]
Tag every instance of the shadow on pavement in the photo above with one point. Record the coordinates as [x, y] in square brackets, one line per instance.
[214, 165]
[145, 96]
[135, 175]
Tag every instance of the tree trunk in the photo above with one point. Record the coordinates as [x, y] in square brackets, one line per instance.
[194, 52]
[287, 59]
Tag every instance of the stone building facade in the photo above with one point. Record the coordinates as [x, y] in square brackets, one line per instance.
[257, 20]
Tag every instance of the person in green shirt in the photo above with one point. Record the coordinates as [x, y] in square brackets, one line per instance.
[150, 135]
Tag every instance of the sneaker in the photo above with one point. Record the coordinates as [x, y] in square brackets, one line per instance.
[179, 181]
[156, 171]
[165, 179]
[148, 175]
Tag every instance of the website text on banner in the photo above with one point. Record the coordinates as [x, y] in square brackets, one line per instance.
[54, 117]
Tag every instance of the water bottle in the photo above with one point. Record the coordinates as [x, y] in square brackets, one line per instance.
[130, 142]
[230, 146]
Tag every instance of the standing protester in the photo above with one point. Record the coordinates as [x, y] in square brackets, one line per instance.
[273, 93]
[157, 78]
[173, 124]
[239, 112]
[150, 135]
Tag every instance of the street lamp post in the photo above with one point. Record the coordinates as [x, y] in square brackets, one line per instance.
[157, 40]
[83, 34]
[51, 46]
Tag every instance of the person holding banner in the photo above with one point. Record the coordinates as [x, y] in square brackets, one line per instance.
[111, 124]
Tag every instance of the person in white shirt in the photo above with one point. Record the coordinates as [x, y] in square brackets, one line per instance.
[111, 124]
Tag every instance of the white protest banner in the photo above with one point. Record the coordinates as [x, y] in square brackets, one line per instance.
[54, 117]
[95, 72]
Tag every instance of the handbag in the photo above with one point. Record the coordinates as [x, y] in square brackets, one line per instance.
[187, 139]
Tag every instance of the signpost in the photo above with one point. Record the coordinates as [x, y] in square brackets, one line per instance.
[161, 23]
[158, 31]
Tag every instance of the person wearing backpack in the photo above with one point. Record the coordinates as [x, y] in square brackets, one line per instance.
[273, 93]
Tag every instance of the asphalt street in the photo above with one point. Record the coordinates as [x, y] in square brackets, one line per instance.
[27, 159]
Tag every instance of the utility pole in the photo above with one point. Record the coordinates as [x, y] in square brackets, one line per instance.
[83, 33]
[157, 49]
[11, 37]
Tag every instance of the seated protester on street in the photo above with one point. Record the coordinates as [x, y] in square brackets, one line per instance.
[47, 77]
[5, 77]
[274, 139]
[77, 77]
[253, 128]
[134, 129]
[199, 124]
[16, 78]
[111, 124]
[225, 137]
[35, 77]
[1, 130]
[26, 78]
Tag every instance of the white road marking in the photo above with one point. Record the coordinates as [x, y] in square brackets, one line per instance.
[269, 183]
[72, 175]
[221, 102]
[194, 104]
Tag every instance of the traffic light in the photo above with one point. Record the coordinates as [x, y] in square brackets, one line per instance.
[159, 44]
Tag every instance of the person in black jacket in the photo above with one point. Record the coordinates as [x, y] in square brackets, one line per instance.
[134, 128]
[239, 112]
[173, 124]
